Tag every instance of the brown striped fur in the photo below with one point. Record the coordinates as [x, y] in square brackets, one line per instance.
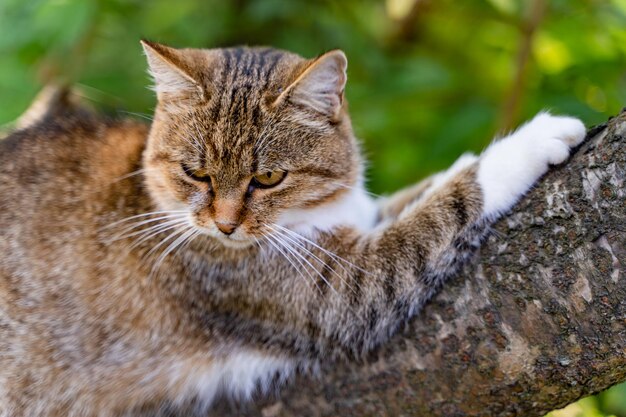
[90, 326]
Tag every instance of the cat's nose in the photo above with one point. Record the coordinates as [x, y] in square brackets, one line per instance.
[226, 227]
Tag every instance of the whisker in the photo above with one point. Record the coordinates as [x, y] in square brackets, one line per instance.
[189, 240]
[142, 115]
[130, 174]
[326, 251]
[339, 296]
[148, 234]
[148, 258]
[152, 213]
[87, 92]
[271, 240]
[190, 231]
[304, 259]
[141, 222]
[134, 173]
[258, 243]
[304, 248]
[177, 231]
[148, 229]
[105, 186]
[349, 277]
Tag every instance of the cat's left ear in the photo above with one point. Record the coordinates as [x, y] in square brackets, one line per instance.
[173, 71]
[321, 85]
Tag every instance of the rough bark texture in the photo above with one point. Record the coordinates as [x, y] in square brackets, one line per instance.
[536, 321]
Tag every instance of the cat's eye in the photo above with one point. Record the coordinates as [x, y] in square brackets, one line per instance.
[197, 174]
[268, 179]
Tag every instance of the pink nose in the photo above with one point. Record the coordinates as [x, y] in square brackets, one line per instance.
[226, 227]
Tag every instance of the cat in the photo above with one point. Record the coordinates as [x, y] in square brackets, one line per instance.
[229, 244]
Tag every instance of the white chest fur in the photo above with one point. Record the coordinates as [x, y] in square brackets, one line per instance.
[238, 375]
[356, 208]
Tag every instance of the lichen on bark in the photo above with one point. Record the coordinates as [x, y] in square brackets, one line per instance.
[534, 322]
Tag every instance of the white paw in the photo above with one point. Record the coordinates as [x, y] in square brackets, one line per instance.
[554, 136]
[553, 150]
[509, 167]
[565, 129]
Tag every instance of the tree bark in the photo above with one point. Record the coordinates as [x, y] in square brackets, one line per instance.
[534, 322]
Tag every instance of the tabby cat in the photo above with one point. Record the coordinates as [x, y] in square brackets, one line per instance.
[229, 244]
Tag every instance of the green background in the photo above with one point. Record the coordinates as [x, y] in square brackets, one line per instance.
[428, 79]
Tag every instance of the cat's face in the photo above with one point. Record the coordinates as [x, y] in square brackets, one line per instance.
[244, 139]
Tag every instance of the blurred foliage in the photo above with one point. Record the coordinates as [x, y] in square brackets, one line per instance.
[428, 79]
[610, 403]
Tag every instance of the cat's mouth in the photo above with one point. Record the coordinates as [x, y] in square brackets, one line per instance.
[234, 243]
[236, 240]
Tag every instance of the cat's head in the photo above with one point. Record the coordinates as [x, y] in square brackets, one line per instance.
[247, 138]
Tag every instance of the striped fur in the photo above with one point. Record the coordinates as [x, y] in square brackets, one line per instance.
[118, 293]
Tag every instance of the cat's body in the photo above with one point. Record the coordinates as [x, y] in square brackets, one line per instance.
[100, 314]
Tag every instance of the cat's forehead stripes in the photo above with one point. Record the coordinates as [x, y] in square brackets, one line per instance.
[246, 76]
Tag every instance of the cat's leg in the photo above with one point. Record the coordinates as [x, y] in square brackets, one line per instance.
[390, 207]
[390, 273]
[505, 156]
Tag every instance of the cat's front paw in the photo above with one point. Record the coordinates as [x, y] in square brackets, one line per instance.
[554, 136]
[510, 167]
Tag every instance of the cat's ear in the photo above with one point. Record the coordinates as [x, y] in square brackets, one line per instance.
[321, 85]
[172, 71]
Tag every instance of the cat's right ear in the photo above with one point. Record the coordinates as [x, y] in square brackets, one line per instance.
[173, 72]
[320, 87]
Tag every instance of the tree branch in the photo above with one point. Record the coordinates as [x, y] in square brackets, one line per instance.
[536, 321]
